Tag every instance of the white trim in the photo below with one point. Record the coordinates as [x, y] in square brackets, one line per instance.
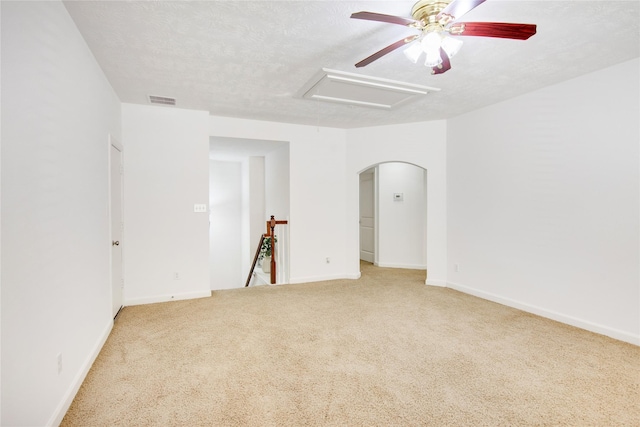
[439, 283]
[549, 314]
[63, 406]
[350, 101]
[404, 88]
[376, 213]
[310, 279]
[167, 298]
[113, 141]
[323, 84]
[407, 266]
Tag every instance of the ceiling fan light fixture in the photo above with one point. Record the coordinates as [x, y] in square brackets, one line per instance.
[433, 59]
[451, 45]
[436, 20]
[431, 42]
[413, 52]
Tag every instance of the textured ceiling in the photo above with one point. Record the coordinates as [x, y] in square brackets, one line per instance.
[247, 59]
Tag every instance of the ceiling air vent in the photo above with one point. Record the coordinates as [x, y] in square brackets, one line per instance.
[163, 100]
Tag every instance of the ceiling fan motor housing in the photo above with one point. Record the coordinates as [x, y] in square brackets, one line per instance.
[426, 11]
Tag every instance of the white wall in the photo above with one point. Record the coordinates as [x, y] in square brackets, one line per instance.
[543, 195]
[166, 172]
[276, 182]
[324, 168]
[226, 224]
[422, 144]
[401, 224]
[256, 209]
[57, 113]
[317, 197]
[277, 204]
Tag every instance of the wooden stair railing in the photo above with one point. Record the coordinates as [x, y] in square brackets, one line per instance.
[271, 225]
[255, 260]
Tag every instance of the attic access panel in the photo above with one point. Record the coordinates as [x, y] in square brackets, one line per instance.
[357, 89]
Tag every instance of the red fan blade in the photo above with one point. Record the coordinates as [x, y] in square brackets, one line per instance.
[444, 66]
[368, 60]
[493, 29]
[457, 8]
[371, 16]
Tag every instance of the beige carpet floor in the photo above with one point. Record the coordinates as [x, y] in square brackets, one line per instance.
[384, 350]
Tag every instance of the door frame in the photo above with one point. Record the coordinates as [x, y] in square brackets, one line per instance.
[113, 142]
[374, 171]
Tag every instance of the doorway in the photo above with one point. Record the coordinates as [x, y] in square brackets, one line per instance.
[248, 181]
[393, 213]
[115, 211]
[367, 215]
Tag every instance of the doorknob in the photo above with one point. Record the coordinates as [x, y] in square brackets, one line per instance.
[115, 243]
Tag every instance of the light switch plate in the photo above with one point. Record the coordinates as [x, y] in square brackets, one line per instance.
[199, 207]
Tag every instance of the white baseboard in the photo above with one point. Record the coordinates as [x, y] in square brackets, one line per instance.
[310, 279]
[64, 405]
[440, 283]
[549, 314]
[407, 266]
[167, 298]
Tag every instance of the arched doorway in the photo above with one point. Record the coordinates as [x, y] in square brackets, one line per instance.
[395, 217]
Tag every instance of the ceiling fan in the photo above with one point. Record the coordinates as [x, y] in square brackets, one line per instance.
[436, 21]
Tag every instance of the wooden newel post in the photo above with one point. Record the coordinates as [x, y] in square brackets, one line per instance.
[272, 226]
[270, 234]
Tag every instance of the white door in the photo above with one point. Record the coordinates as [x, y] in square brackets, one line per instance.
[367, 217]
[117, 281]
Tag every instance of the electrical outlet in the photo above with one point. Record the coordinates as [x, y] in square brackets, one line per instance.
[456, 268]
[328, 260]
[59, 363]
[199, 207]
[176, 276]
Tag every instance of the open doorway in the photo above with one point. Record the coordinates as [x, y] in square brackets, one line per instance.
[117, 224]
[248, 180]
[367, 215]
[393, 213]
